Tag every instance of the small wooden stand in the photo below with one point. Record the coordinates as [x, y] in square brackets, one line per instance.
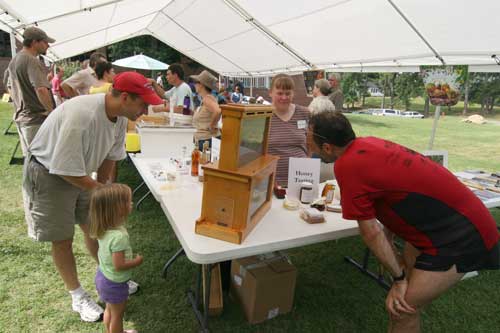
[216, 304]
[237, 190]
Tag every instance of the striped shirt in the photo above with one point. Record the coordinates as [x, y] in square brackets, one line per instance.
[287, 140]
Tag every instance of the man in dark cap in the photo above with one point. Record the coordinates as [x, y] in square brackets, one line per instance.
[30, 88]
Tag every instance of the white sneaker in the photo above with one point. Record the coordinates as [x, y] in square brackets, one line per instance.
[133, 287]
[89, 310]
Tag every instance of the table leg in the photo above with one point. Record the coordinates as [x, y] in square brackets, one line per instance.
[194, 298]
[363, 268]
[137, 188]
[8, 128]
[13, 158]
[142, 199]
[171, 261]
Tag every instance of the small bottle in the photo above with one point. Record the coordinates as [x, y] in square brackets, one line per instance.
[195, 160]
[186, 110]
[306, 192]
[328, 191]
[205, 158]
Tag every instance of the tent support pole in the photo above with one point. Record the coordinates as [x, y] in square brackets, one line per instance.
[434, 126]
[251, 86]
[436, 54]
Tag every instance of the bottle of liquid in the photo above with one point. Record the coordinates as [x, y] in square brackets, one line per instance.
[187, 106]
[328, 191]
[205, 158]
[195, 160]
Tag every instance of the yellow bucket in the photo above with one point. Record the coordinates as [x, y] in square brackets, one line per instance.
[132, 143]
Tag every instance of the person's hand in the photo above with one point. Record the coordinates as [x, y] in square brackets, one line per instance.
[138, 259]
[395, 302]
[152, 81]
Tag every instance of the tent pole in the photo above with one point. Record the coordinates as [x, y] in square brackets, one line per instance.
[434, 126]
[13, 48]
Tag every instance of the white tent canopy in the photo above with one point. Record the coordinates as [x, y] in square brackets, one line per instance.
[140, 61]
[257, 37]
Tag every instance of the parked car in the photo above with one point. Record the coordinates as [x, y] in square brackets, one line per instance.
[412, 114]
[368, 111]
[388, 113]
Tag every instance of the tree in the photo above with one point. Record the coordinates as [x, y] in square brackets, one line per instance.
[384, 83]
[485, 89]
[146, 44]
[408, 86]
[351, 88]
[392, 80]
[463, 79]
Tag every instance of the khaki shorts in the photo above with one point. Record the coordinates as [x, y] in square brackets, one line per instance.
[52, 205]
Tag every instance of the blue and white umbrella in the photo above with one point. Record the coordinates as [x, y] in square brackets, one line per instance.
[141, 61]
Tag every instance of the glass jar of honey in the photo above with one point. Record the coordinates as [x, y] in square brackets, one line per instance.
[328, 191]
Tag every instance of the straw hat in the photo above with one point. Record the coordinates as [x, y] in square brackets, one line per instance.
[206, 79]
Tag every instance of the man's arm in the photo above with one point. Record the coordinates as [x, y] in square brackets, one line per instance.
[178, 108]
[83, 182]
[104, 171]
[68, 90]
[161, 107]
[44, 97]
[159, 90]
[374, 237]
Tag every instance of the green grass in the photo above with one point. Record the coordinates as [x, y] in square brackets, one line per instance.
[330, 295]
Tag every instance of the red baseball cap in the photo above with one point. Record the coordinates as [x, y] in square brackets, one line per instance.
[136, 83]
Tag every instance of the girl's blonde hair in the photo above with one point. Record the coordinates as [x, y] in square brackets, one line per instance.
[109, 206]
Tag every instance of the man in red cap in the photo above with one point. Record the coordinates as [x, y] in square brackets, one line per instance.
[83, 135]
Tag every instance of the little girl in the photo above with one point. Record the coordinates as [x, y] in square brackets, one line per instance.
[109, 207]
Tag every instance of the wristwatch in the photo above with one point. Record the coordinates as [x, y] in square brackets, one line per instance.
[399, 278]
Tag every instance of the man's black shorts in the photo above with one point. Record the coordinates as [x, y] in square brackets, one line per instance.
[465, 263]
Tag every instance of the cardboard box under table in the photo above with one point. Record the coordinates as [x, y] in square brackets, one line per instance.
[264, 285]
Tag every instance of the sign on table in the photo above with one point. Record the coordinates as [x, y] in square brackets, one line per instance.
[302, 170]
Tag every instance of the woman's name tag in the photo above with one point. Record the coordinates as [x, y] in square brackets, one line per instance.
[301, 124]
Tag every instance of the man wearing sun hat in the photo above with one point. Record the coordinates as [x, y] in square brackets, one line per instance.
[30, 88]
[83, 135]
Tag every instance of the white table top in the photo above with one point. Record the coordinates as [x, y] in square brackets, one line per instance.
[490, 203]
[279, 229]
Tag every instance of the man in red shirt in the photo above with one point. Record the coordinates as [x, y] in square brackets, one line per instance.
[447, 229]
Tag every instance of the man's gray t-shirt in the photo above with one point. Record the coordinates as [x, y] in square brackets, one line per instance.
[26, 75]
[77, 137]
[176, 96]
